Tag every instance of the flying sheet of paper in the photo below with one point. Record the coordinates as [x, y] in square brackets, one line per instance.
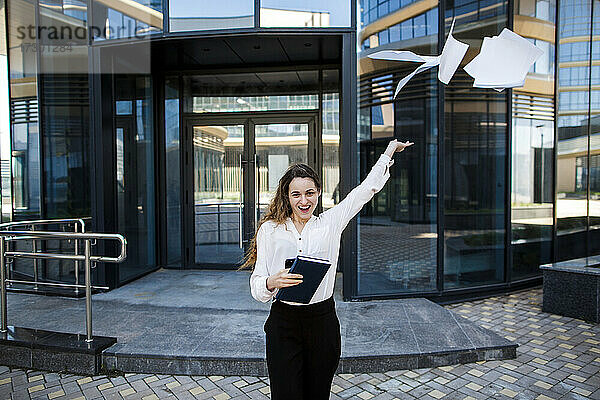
[392, 55]
[452, 54]
[503, 61]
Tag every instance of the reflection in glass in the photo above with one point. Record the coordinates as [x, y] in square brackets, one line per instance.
[239, 92]
[173, 171]
[540, 9]
[21, 53]
[532, 141]
[305, 13]
[134, 175]
[124, 107]
[474, 182]
[404, 213]
[197, 15]
[218, 193]
[545, 64]
[277, 147]
[476, 125]
[573, 126]
[120, 170]
[371, 10]
[253, 103]
[24, 160]
[592, 164]
[25, 170]
[5, 137]
[424, 24]
[63, 80]
[331, 150]
[531, 194]
[65, 109]
[123, 20]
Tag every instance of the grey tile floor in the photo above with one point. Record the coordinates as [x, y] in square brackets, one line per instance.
[559, 358]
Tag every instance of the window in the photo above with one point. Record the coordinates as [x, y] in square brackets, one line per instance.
[207, 15]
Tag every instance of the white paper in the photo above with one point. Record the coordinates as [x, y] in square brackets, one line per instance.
[503, 61]
[400, 55]
[452, 54]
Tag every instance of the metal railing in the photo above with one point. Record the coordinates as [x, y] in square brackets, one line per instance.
[78, 226]
[87, 258]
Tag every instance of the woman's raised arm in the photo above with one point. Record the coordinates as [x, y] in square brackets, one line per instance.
[343, 212]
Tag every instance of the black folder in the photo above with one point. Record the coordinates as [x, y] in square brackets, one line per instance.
[313, 271]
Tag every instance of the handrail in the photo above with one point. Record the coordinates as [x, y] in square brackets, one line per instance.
[30, 235]
[81, 221]
[87, 257]
[59, 221]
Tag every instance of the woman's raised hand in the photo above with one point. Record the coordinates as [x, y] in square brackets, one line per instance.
[396, 146]
[283, 279]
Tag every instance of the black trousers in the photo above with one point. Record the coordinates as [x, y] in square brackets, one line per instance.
[303, 350]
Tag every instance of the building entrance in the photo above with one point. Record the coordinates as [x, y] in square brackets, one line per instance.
[229, 137]
[233, 164]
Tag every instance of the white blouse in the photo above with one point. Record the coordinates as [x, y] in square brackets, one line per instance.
[320, 237]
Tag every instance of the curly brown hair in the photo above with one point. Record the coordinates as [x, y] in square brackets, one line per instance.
[279, 208]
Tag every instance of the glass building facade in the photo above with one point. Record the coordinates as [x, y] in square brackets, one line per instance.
[171, 121]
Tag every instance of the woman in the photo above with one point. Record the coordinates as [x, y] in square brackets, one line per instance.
[303, 340]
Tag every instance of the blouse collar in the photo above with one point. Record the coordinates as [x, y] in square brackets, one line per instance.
[290, 224]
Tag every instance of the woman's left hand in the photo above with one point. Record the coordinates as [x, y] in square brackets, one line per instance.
[396, 146]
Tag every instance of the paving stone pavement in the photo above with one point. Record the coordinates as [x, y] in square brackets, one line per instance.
[559, 358]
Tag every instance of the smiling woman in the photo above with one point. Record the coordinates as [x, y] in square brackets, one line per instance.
[304, 196]
[289, 228]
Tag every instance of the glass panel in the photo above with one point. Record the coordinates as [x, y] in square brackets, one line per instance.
[26, 171]
[540, 9]
[5, 145]
[254, 103]
[131, 19]
[331, 150]
[531, 193]
[290, 90]
[134, 176]
[24, 160]
[197, 15]
[594, 160]
[65, 110]
[124, 107]
[120, 170]
[63, 78]
[533, 148]
[573, 124]
[218, 197]
[477, 10]
[173, 171]
[406, 208]
[304, 14]
[475, 156]
[277, 147]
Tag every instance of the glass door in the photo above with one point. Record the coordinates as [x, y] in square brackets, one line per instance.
[218, 193]
[232, 168]
[134, 188]
[277, 146]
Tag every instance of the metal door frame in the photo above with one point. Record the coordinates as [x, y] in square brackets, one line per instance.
[249, 120]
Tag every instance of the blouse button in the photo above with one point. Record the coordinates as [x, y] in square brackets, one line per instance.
[299, 238]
